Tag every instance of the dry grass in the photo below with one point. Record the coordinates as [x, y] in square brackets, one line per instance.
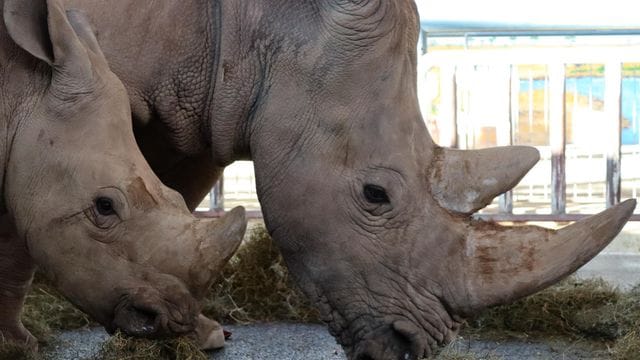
[454, 353]
[571, 307]
[577, 309]
[627, 312]
[46, 310]
[120, 347]
[256, 287]
[11, 351]
[628, 347]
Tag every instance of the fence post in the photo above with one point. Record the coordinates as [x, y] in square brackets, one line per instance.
[557, 137]
[216, 196]
[505, 128]
[612, 108]
[448, 124]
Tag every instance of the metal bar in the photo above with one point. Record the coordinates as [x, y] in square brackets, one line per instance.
[216, 196]
[538, 217]
[488, 32]
[504, 134]
[449, 111]
[557, 138]
[538, 55]
[613, 109]
[250, 214]
[257, 214]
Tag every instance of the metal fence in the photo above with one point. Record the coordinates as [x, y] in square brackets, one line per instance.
[492, 95]
[496, 94]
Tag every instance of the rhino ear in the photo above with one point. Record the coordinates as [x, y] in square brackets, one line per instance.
[82, 27]
[26, 23]
[42, 29]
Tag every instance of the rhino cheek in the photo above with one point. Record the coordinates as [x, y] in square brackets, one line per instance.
[84, 270]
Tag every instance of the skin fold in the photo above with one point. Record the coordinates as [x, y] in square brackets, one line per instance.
[372, 217]
[78, 198]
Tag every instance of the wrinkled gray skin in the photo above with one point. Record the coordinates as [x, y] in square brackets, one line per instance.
[78, 198]
[371, 216]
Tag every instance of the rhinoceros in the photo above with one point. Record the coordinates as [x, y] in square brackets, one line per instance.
[78, 198]
[372, 217]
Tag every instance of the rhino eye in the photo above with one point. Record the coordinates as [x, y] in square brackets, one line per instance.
[375, 194]
[105, 206]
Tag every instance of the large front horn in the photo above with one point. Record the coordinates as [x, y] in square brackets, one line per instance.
[220, 240]
[465, 181]
[199, 252]
[502, 264]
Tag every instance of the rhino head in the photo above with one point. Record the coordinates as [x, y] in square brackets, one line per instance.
[371, 216]
[115, 241]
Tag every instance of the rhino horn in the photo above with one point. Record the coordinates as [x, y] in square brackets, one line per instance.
[220, 239]
[464, 181]
[503, 264]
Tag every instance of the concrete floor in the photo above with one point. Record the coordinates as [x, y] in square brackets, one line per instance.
[621, 269]
[279, 341]
[313, 342]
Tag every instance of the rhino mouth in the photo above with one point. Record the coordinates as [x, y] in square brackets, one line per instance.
[396, 339]
[404, 331]
[144, 313]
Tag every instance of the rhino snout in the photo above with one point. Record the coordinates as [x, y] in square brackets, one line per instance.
[145, 313]
[399, 340]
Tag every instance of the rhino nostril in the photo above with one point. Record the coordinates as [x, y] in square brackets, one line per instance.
[135, 321]
[406, 340]
[146, 321]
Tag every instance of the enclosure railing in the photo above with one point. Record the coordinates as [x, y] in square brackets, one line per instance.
[456, 127]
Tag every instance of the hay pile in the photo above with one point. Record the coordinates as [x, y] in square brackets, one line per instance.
[16, 352]
[576, 309]
[120, 347]
[46, 310]
[255, 286]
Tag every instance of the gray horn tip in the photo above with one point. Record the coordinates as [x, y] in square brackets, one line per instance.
[238, 212]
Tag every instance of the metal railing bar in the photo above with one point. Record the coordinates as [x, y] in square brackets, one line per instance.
[216, 196]
[538, 217]
[557, 138]
[526, 56]
[457, 33]
[449, 110]
[613, 111]
[505, 130]
[250, 214]
[257, 214]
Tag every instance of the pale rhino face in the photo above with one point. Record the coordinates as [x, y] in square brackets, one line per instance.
[98, 214]
[371, 216]
[113, 239]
